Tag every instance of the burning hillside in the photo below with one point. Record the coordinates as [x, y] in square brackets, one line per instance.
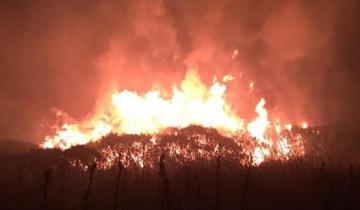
[192, 103]
[179, 104]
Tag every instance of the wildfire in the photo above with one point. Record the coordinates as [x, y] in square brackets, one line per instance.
[193, 103]
[304, 125]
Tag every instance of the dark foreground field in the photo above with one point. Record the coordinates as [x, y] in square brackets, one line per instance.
[327, 177]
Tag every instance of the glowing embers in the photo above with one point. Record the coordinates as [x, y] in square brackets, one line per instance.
[192, 145]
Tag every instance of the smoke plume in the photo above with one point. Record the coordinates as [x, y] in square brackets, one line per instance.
[301, 55]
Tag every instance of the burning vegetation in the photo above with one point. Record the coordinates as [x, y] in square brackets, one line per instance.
[151, 117]
[179, 104]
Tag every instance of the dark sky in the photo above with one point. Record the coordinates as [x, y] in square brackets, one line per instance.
[303, 55]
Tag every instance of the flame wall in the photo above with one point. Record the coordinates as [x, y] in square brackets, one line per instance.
[70, 54]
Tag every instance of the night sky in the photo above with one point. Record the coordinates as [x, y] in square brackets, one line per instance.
[303, 55]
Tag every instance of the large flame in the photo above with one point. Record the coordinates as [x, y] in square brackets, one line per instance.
[193, 103]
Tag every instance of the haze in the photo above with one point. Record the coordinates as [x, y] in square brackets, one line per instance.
[302, 55]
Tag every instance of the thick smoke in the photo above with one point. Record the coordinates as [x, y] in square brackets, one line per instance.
[302, 55]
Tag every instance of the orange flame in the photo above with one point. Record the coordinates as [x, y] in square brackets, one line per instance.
[191, 104]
